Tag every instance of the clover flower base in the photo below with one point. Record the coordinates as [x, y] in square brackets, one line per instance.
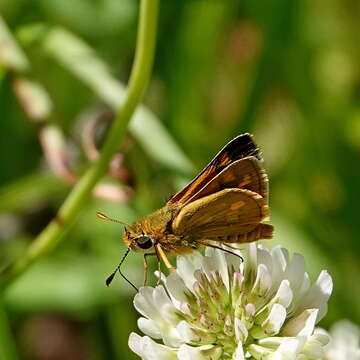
[216, 307]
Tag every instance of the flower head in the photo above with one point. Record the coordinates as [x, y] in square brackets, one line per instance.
[344, 343]
[217, 307]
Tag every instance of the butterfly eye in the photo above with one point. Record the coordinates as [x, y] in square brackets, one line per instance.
[144, 242]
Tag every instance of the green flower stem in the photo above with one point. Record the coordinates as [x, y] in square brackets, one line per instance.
[7, 346]
[140, 74]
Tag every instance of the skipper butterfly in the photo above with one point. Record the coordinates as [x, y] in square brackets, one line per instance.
[226, 203]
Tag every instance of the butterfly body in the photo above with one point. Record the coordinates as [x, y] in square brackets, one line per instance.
[158, 227]
[226, 202]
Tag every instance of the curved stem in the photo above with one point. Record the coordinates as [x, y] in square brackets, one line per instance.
[140, 74]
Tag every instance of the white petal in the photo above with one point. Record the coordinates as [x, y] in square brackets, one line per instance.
[241, 332]
[304, 288]
[318, 295]
[313, 349]
[274, 341]
[135, 343]
[236, 284]
[275, 319]
[232, 260]
[239, 353]
[155, 351]
[215, 261]
[160, 297]
[280, 258]
[287, 350]
[263, 281]
[250, 309]
[186, 266]
[166, 308]
[264, 257]
[143, 303]
[321, 336]
[259, 352]
[205, 352]
[295, 271]
[250, 260]
[160, 275]
[184, 308]
[186, 332]
[301, 325]
[176, 288]
[284, 294]
[157, 306]
[148, 349]
[149, 327]
[322, 312]
[171, 337]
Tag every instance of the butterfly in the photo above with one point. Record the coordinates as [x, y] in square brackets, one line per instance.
[226, 203]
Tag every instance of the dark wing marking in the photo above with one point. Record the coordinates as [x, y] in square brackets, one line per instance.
[245, 173]
[240, 147]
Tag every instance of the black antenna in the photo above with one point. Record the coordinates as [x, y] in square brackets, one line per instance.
[111, 277]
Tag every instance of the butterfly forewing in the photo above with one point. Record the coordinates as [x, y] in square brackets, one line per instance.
[240, 147]
[227, 212]
[246, 173]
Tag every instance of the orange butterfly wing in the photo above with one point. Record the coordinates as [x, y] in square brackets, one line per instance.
[240, 147]
[246, 173]
[225, 213]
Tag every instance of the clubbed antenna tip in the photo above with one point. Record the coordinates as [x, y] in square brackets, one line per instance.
[110, 279]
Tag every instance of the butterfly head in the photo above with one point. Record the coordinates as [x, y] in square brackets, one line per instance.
[135, 239]
[138, 242]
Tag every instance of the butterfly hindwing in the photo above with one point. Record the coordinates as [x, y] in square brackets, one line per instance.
[224, 213]
[240, 147]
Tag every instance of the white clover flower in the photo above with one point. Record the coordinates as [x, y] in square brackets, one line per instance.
[217, 307]
[344, 343]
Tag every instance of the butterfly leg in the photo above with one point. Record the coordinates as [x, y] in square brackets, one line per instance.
[159, 271]
[158, 262]
[161, 255]
[222, 249]
[146, 266]
[230, 247]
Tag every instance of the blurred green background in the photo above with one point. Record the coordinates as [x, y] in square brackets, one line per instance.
[287, 71]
